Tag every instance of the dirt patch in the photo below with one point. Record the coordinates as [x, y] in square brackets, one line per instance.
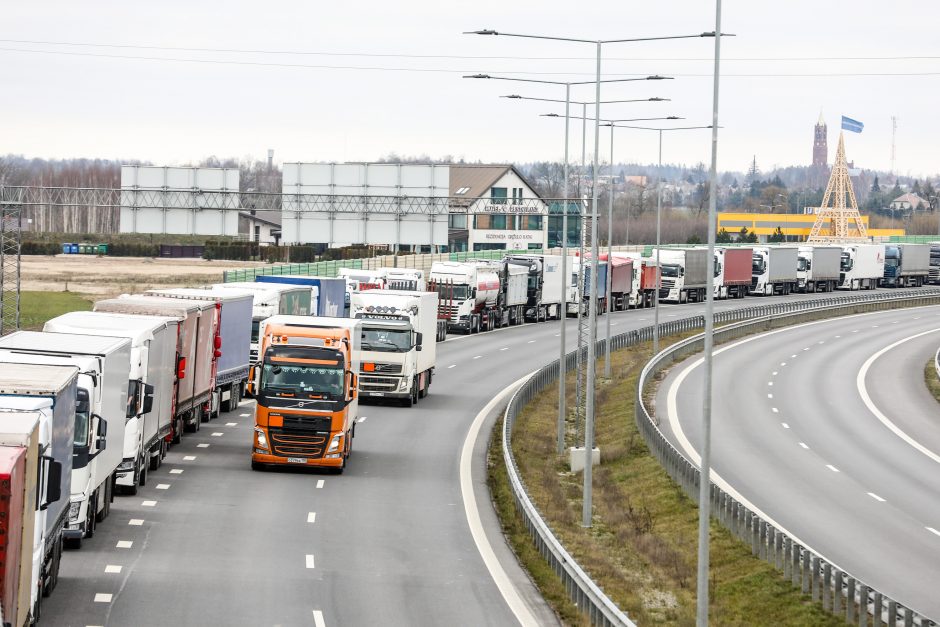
[108, 276]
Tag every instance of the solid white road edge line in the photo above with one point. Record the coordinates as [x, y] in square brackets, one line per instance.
[863, 392]
[673, 416]
[500, 578]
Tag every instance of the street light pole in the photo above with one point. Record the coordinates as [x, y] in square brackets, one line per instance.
[659, 214]
[610, 250]
[562, 408]
[704, 494]
[586, 509]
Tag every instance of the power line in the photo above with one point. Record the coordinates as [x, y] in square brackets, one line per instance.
[453, 56]
[442, 71]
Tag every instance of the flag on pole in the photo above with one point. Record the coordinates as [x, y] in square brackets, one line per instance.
[849, 124]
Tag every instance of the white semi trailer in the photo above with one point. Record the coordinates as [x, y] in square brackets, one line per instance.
[862, 266]
[101, 410]
[469, 295]
[399, 347]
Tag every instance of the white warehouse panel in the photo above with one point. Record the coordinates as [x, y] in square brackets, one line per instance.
[371, 216]
[156, 199]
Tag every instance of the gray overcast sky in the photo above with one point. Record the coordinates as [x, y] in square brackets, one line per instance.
[76, 105]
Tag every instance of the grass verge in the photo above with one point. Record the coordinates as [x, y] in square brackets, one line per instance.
[641, 548]
[930, 377]
[37, 307]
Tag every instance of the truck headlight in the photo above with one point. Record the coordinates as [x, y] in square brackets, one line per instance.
[126, 465]
[74, 509]
[260, 438]
[403, 384]
[334, 443]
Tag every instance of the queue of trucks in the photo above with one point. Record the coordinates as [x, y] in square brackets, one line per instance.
[97, 397]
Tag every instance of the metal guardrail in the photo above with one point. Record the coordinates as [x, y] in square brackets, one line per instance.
[581, 589]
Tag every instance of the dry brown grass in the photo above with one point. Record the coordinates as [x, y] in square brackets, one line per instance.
[930, 378]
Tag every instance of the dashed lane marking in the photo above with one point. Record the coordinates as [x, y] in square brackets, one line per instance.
[477, 356]
[310, 561]
[136, 522]
[770, 396]
[124, 544]
[452, 366]
[504, 348]
[113, 568]
[101, 597]
[774, 373]
[876, 497]
[832, 468]
[176, 471]
[362, 418]
[231, 424]
[933, 531]
[217, 434]
[785, 425]
[189, 458]
[163, 486]
[243, 415]
[774, 410]
[531, 342]
[319, 483]
[312, 517]
[203, 445]
[149, 504]
[783, 363]
[318, 619]
[804, 445]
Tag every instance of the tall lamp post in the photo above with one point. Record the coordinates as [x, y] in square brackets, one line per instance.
[562, 400]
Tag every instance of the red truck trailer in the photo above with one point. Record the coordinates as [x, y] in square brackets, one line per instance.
[621, 280]
[733, 272]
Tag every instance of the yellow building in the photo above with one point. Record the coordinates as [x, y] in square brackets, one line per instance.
[792, 224]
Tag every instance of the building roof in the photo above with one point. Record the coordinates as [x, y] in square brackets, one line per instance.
[272, 218]
[911, 198]
[822, 121]
[472, 181]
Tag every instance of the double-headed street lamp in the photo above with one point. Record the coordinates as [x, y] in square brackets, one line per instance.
[562, 400]
[586, 509]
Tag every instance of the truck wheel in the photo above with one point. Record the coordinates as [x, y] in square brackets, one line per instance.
[154, 462]
[106, 508]
[90, 516]
[256, 466]
[142, 481]
[415, 392]
[53, 579]
[226, 406]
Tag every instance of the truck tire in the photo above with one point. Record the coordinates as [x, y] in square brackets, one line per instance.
[256, 466]
[142, 481]
[227, 405]
[106, 508]
[153, 461]
[54, 564]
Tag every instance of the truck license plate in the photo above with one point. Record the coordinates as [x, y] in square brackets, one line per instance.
[376, 393]
[296, 460]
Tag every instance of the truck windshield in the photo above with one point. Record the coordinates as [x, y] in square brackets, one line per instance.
[453, 291]
[386, 340]
[255, 325]
[306, 372]
[757, 265]
[82, 417]
[891, 261]
[846, 265]
[669, 269]
[802, 265]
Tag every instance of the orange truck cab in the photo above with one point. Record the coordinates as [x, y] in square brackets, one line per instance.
[307, 398]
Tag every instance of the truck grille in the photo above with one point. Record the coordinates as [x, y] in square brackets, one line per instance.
[667, 284]
[377, 384]
[387, 368]
[293, 442]
[449, 311]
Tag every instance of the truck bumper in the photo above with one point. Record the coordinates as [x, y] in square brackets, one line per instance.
[276, 460]
[74, 534]
[384, 394]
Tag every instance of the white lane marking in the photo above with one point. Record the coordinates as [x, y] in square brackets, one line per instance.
[113, 568]
[101, 597]
[916, 317]
[806, 349]
[310, 561]
[774, 410]
[149, 504]
[311, 517]
[362, 418]
[124, 544]
[863, 392]
[318, 619]
[770, 396]
[792, 356]
[876, 497]
[504, 348]
[783, 363]
[785, 425]
[217, 434]
[176, 471]
[500, 578]
[642, 319]
[477, 356]
[832, 468]
[558, 335]
[244, 415]
[613, 324]
[855, 331]
[231, 424]
[136, 522]
[163, 486]
[838, 336]
[874, 326]
[933, 531]
[319, 483]
[189, 458]
[452, 366]
[203, 445]
[771, 382]
[531, 342]
[821, 342]
[895, 322]
[774, 373]
[804, 445]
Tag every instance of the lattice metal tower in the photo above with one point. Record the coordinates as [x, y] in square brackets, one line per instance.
[10, 238]
[841, 222]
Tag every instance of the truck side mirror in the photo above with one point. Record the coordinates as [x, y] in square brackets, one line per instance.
[53, 481]
[102, 426]
[419, 340]
[148, 398]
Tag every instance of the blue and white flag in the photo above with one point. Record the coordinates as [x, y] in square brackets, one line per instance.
[848, 124]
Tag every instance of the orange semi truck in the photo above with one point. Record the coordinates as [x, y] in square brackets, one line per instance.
[307, 398]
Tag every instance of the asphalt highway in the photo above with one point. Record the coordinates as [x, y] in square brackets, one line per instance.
[828, 429]
[209, 542]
